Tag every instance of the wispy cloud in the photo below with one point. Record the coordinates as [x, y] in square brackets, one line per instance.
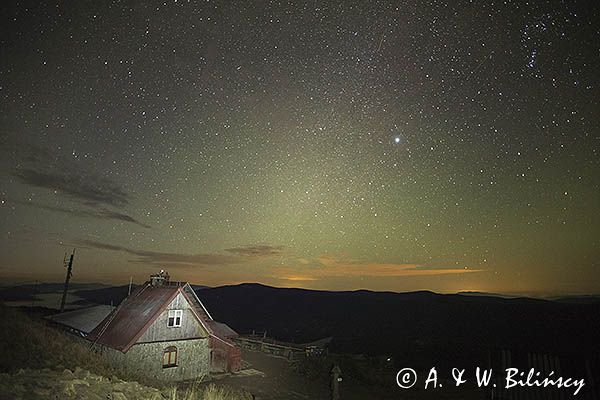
[161, 258]
[329, 266]
[97, 196]
[90, 189]
[172, 259]
[256, 250]
[100, 213]
[37, 166]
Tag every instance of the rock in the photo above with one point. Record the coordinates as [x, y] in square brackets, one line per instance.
[96, 378]
[42, 392]
[70, 388]
[73, 385]
[82, 373]
[118, 396]
[122, 386]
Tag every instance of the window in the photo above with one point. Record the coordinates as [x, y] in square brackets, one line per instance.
[170, 357]
[174, 319]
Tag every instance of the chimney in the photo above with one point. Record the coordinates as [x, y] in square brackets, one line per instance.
[159, 279]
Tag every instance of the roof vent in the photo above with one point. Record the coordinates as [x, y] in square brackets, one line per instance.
[160, 278]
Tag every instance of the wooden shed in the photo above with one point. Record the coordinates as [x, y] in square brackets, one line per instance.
[163, 331]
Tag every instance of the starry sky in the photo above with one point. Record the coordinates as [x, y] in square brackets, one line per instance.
[399, 145]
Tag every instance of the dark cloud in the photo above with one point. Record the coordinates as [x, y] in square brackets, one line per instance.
[240, 254]
[38, 166]
[100, 213]
[160, 258]
[108, 214]
[89, 189]
[257, 250]
[22, 151]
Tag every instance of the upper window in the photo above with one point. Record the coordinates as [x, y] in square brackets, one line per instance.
[170, 357]
[174, 319]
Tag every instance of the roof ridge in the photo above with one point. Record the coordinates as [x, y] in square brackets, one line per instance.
[205, 326]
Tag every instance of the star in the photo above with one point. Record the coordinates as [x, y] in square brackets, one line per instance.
[196, 127]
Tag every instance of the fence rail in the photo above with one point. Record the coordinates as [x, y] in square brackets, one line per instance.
[270, 346]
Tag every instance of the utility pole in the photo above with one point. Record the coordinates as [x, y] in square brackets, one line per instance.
[68, 277]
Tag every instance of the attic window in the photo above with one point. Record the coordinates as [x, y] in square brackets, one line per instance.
[174, 319]
[170, 357]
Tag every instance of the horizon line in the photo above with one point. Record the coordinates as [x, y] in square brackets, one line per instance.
[534, 295]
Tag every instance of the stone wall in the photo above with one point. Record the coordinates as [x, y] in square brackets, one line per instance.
[145, 359]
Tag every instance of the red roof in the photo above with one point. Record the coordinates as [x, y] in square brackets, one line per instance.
[122, 327]
[222, 330]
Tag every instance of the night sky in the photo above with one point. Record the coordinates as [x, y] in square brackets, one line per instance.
[332, 145]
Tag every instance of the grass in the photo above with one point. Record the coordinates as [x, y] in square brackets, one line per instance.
[27, 342]
[209, 392]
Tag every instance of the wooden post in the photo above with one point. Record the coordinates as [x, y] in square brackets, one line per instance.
[68, 277]
[336, 378]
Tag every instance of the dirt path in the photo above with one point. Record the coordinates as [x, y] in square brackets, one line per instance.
[271, 378]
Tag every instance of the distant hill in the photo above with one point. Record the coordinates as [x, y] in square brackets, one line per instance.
[578, 299]
[484, 294]
[378, 322]
[111, 295]
[589, 299]
[29, 291]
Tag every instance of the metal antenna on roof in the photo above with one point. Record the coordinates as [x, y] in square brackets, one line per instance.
[69, 267]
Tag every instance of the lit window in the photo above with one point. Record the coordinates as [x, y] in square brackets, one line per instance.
[174, 319]
[170, 357]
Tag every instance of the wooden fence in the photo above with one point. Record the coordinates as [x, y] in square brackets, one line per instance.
[270, 346]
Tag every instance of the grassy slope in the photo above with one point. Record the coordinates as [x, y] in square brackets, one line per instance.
[27, 342]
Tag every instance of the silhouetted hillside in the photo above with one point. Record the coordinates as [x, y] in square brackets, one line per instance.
[114, 294]
[111, 295]
[29, 291]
